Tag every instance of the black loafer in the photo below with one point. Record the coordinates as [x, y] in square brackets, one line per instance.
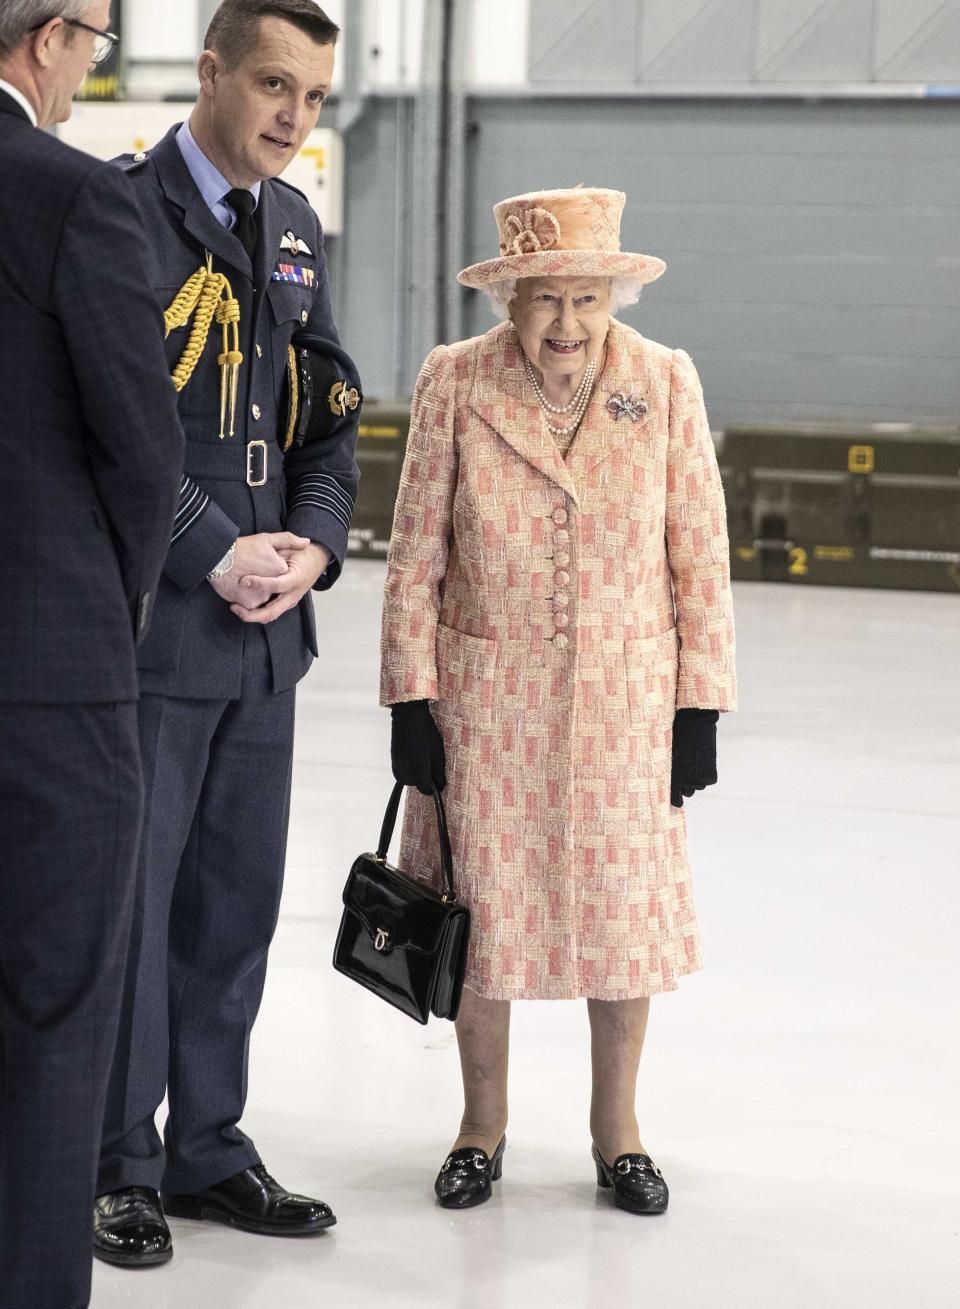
[253, 1202]
[129, 1228]
[637, 1182]
[467, 1176]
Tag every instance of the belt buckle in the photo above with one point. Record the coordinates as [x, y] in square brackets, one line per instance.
[256, 445]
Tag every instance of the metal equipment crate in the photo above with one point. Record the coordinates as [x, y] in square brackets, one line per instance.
[381, 445]
[844, 505]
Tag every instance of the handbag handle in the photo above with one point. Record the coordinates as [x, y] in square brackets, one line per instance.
[390, 822]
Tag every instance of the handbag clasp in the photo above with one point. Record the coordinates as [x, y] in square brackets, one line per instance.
[381, 939]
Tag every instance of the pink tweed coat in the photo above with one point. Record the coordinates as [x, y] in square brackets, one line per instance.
[557, 611]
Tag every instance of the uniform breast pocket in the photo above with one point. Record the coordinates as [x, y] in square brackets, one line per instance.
[652, 667]
[466, 668]
[290, 303]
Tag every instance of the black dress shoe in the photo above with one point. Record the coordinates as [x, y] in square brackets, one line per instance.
[129, 1228]
[637, 1182]
[254, 1202]
[467, 1176]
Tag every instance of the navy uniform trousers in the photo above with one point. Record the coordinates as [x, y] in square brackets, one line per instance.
[71, 787]
[209, 882]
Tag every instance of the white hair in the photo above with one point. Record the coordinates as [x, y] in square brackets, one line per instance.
[18, 17]
[624, 291]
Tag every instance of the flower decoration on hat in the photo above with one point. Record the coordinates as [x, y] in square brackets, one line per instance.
[530, 231]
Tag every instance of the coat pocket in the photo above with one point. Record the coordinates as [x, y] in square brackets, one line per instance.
[160, 649]
[652, 669]
[465, 673]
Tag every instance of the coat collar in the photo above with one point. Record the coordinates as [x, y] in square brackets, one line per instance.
[181, 190]
[504, 399]
[11, 104]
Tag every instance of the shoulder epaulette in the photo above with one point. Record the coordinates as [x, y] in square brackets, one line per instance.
[132, 163]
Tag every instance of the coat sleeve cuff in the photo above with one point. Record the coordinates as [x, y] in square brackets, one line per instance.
[200, 549]
[325, 530]
[702, 686]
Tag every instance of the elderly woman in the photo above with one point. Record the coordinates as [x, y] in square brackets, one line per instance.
[557, 644]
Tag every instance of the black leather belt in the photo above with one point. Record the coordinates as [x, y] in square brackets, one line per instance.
[253, 462]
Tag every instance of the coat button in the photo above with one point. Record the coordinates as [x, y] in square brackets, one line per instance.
[561, 620]
[304, 316]
[561, 538]
[139, 157]
[561, 641]
[559, 516]
[561, 578]
[561, 559]
[561, 599]
[257, 412]
[259, 349]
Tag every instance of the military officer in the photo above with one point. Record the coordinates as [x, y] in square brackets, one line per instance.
[269, 403]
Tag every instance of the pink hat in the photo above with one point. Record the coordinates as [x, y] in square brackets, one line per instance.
[572, 233]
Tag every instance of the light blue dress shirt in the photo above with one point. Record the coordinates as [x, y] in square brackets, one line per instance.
[211, 183]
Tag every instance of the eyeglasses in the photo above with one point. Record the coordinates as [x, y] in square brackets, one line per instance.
[104, 44]
[102, 47]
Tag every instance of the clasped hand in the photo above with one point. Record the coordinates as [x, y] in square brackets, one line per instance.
[271, 573]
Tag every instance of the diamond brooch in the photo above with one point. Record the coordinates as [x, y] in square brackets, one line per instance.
[630, 406]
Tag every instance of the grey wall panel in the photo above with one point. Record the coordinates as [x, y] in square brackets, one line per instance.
[709, 41]
[898, 25]
[712, 44]
[834, 44]
[368, 254]
[777, 25]
[814, 261]
[800, 278]
[932, 52]
[583, 40]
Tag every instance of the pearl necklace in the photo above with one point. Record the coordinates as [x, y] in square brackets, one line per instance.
[577, 406]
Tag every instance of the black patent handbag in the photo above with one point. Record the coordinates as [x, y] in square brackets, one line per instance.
[402, 940]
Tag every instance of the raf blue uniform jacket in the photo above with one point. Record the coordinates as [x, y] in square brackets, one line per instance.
[195, 645]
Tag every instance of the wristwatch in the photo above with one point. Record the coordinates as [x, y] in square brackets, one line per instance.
[224, 566]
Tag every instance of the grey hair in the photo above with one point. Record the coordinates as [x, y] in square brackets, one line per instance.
[624, 291]
[18, 17]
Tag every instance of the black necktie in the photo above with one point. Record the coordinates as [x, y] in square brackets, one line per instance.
[245, 230]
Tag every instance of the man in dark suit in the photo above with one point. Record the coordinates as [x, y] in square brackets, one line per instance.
[91, 453]
[265, 507]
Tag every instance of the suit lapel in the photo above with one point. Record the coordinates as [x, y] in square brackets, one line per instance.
[504, 399]
[625, 374]
[181, 190]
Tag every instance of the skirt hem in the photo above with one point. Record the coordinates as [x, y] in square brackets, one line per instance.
[585, 992]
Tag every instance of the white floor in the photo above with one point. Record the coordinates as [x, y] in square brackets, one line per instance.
[801, 1094]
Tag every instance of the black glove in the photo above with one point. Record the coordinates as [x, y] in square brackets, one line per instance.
[694, 753]
[416, 747]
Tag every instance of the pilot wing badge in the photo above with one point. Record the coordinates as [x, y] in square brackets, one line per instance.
[293, 245]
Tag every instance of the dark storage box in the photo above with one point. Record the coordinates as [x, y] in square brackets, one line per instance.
[381, 445]
[844, 505]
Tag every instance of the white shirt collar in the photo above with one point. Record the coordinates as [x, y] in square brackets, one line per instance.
[21, 100]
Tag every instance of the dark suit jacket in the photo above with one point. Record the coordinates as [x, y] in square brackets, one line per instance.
[195, 647]
[91, 449]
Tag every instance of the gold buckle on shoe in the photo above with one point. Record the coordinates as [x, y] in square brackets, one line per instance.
[251, 480]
